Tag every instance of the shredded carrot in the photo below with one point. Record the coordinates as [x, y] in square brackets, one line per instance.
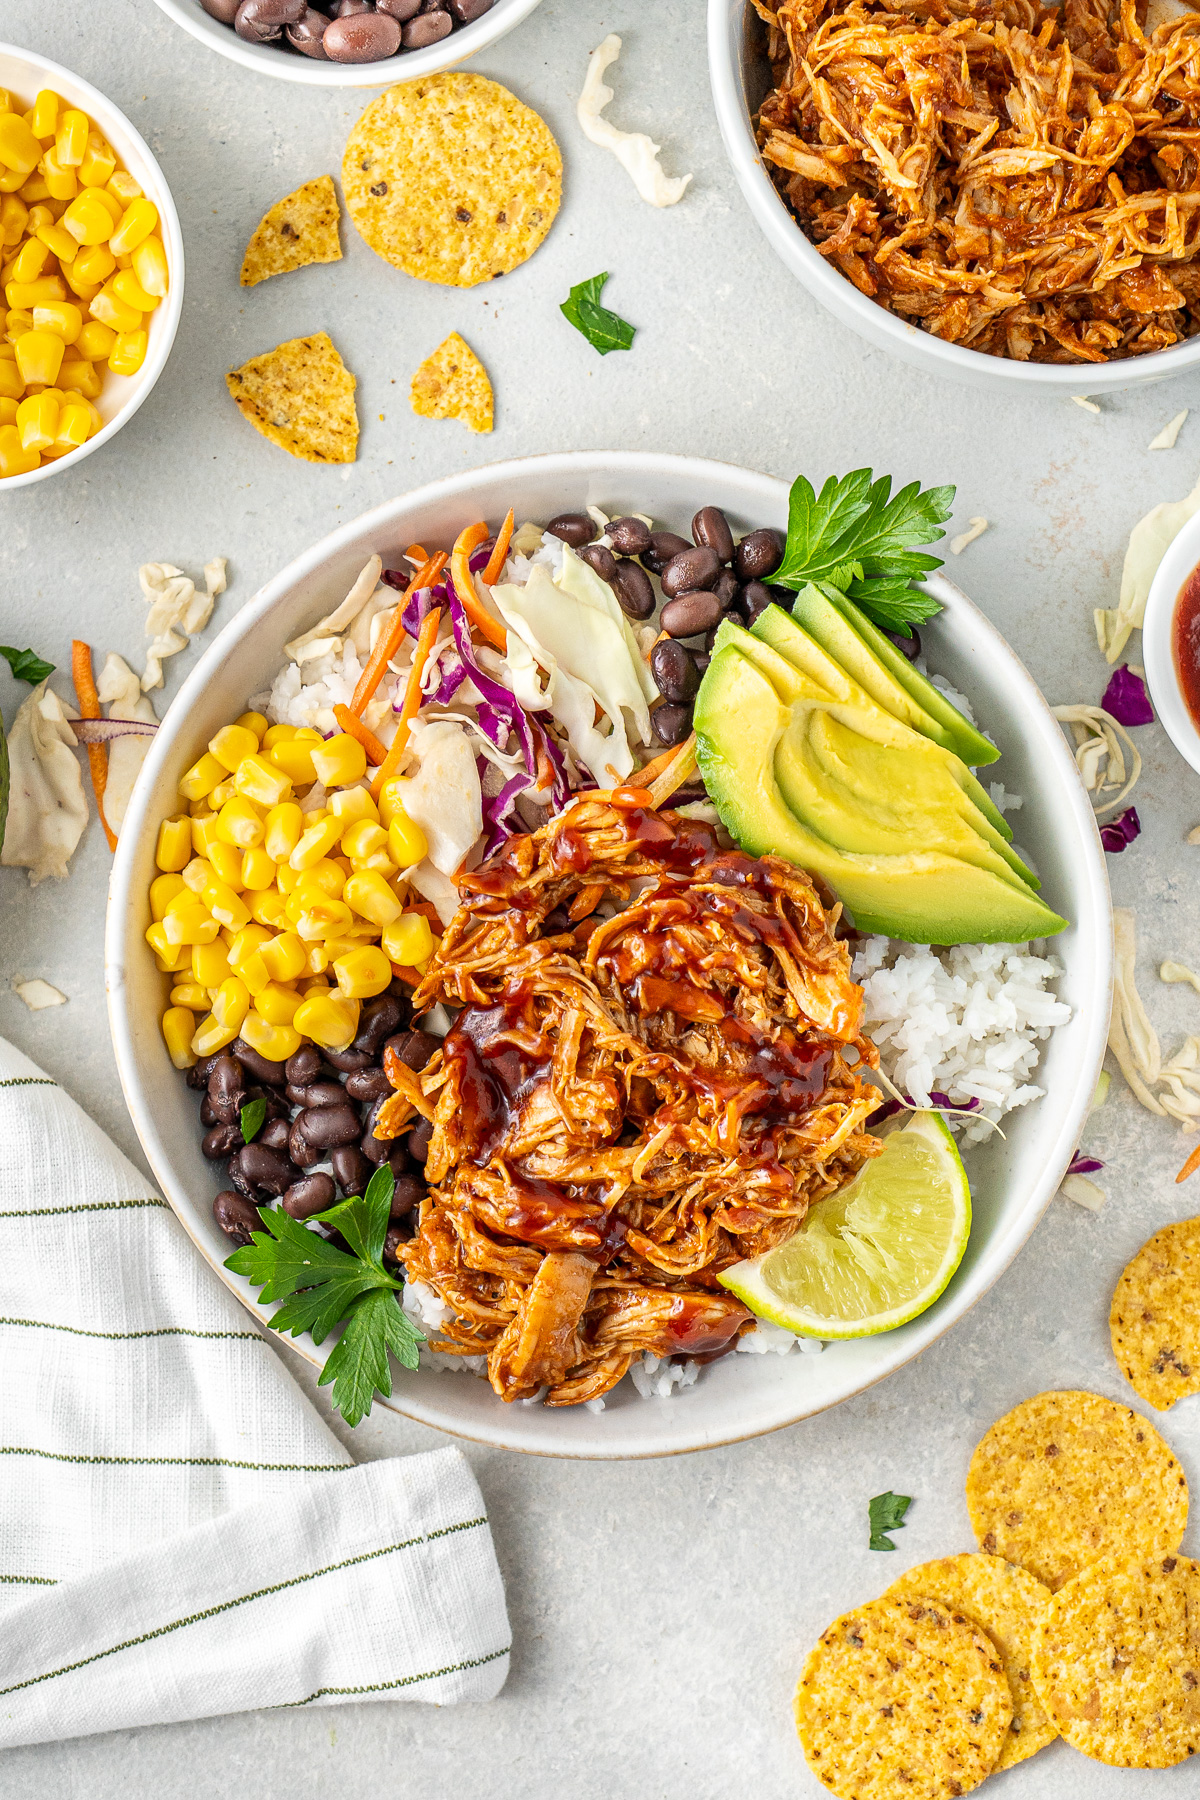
[376, 752]
[651, 770]
[426, 639]
[426, 908]
[1190, 1166]
[406, 973]
[464, 586]
[495, 561]
[89, 708]
[389, 640]
[417, 554]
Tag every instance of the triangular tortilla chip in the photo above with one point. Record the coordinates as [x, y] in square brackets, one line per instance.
[301, 396]
[301, 229]
[453, 384]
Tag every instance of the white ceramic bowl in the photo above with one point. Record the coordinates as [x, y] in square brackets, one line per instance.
[1013, 1180]
[408, 65]
[24, 73]
[1158, 634]
[740, 77]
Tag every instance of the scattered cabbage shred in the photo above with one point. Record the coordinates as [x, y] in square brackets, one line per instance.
[636, 153]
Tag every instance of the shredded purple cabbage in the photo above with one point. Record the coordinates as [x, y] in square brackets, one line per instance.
[1122, 830]
[937, 1103]
[1126, 699]
[499, 810]
[104, 731]
[451, 677]
[1084, 1165]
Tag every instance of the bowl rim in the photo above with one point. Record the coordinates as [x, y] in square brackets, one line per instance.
[125, 902]
[97, 106]
[1181, 557]
[310, 72]
[726, 21]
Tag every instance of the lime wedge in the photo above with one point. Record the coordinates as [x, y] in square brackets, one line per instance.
[878, 1252]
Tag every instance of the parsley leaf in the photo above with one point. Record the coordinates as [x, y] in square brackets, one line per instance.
[26, 665]
[603, 330]
[252, 1116]
[886, 1513]
[322, 1286]
[855, 539]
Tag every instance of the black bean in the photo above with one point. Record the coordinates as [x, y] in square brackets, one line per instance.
[311, 1194]
[629, 536]
[197, 1076]
[711, 527]
[308, 33]
[378, 1149]
[351, 1168]
[600, 558]
[208, 1115]
[671, 724]
[413, 1048]
[274, 1074]
[674, 669]
[236, 1215]
[418, 1140]
[276, 1134]
[403, 10]
[631, 585]
[426, 29]
[758, 555]
[346, 9]
[221, 1142]
[408, 1192]
[575, 529]
[263, 1168]
[243, 1184]
[467, 11]
[702, 660]
[227, 1082]
[755, 599]
[907, 646]
[261, 21]
[325, 1126]
[663, 546]
[361, 38]
[302, 1153]
[710, 640]
[224, 10]
[304, 1066]
[556, 922]
[321, 1093]
[691, 614]
[346, 1061]
[368, 1084]
[695, 567]
[377, 1021]
[688, 794]
[727, 588]
[397, 1234]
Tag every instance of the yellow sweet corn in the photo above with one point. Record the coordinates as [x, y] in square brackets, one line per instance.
[137, 222]
[232, 1002]
[338, 761]
[20, 150]
[253, 971]
[8, 410]
[40, 356]
[248, 940]
[12, 386]
[188, 921]
[163, 890]
[111, 310]
[223, 791]
[210, 1036]
[128, 353]
[79, 376]
[226, 863]
[70, 140]
[150, 267]
[99, 162]
[197, 874]
[317, 961]
[391, 798]
[315, 843]
[275, 1042]
[284, 825]
[267, 908]
[260, 781]
[284, 957]
[258, 871]
[61, 317]
[320, 919]
[210, 964]
[277, 734]
[95, 340]
[286, 878]
[354, 805]
[171, 957]
[23, 296]
[14, 458]
[62, 181]
[204, 830]
[127, 288]
[231, 744]
[89, 221]
[14, 220]
[371, 897]
[277, 1005]
[240, 822]
[406, 841]
[74, 426]
[174, 848]
[294, 756]
[37, 421]
[191, 995]
[201, 778]
[29, 262]
[327, 876]
[330, 1020]
[363, 973]
[409, 940]
[252, 721]
[178, 1029]
[60, 243]
[33, 189]
[94, 264]
[226, 907]
[123, 188]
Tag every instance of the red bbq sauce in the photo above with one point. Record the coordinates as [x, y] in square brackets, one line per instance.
[1185, 643]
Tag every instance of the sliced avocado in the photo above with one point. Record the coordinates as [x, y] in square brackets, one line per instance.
[926, 897]
[939, 805]
[969, 743]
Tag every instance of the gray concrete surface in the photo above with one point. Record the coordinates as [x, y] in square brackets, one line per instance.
[661, 1611]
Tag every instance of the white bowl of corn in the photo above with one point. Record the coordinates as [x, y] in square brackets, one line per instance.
[91, 267]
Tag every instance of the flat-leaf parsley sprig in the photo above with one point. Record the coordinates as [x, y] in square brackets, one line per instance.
[321, 1286]
[604, 330]
[853, 539]
[886, 1513]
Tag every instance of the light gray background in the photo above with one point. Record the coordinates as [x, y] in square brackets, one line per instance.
[661, 1611]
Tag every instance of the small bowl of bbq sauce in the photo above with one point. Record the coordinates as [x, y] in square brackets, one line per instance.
[1171, 642]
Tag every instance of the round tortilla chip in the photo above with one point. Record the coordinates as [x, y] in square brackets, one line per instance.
[902, 1696]
[452, 179]
[1155, 1316]
[1006, 1602]
[1116, 1661]
[1066, 1478]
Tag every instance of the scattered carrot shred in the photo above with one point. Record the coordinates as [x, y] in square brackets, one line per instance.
[390, 640]
[495, 562]
[89, 708]
[464, 586]
[354, 727]
[1190, 1166]
[426, 639]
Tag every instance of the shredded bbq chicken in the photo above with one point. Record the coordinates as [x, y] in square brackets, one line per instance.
[657, 1068]
[1018, 179]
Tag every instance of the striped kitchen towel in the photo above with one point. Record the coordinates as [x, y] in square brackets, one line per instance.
[180, 1534]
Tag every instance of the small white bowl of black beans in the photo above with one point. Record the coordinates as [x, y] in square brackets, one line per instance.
[347, 43]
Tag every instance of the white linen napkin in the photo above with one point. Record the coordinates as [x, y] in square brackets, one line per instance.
[180, 1533]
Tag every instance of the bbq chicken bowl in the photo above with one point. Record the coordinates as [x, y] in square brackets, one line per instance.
[597, 1006]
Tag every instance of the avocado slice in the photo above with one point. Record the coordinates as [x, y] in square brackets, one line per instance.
[925, 897]
[790, 639]
[878, 761]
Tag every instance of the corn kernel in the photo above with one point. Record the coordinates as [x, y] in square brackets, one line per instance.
[70, 140]
[295, 757]
[409, 940]
[61, 317]
[330, 1020]
[14, 218]
[19, 149]
[258, 871]
[187, 920]
[95, 263]
[231, 744]
[99, 162]
[314, 843]
[391, 798]
[284, 956]
[137, 222]
[277, 1005]
[197, 874]
[150, 267]
[171, 957]
[275, 1042]
[40, 356]
[201, 778]
[324, 877]
[284, 825]
[23, 296]
[95, 340]
[89, 221]
[204, 830]
[8, 410]
[62, 182]
[74, 427]
[286, 878]
[371, 897]
[191, 995]
[14, 458]
[361, 974]
[123, 187]
[163, 890]
[240, 822]
[29, 262]
[267, 907]
[406, 841]
[60, 243]
[339, 760]
[363, 837]
[259, 780]
[79, 377]
[43, 118]
[12, 387]
[127, 288]
[128, 353]
[174, 848]
[211, 1036]
[210, 963]
[15, 323]
[317, 961]
[226, 864]
[84, 291]
[321, 919]
[111, 310]
[247, 941]
[226, 907]
[11, 180]
[37, 421]
[277, 734]
[178, 1028]
[33, 190]
[253, 971]
[232, 1002]
[352, 805]
[223, 791]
